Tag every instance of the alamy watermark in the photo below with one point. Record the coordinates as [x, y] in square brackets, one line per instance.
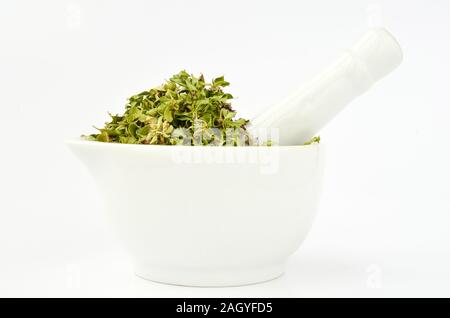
[374, 15]
[374, 276]
[235, 147]
[73, 16]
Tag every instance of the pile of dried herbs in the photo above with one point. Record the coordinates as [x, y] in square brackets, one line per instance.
[185, 110]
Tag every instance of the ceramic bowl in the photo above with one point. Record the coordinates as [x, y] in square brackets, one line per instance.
[207, 216]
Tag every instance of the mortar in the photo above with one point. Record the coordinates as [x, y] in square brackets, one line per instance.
[207, 216]
[225, 216]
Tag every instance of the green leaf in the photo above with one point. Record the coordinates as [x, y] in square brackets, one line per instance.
[132, 129]
[103, 137]
[313, 140]
[220, 81]
[143, 132]
[168, 115]
[185, 103]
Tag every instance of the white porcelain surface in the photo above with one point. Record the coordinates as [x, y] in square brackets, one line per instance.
[207, 216]
[301, 116]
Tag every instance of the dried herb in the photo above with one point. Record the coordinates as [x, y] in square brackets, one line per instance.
[313, 140]
[185, 110]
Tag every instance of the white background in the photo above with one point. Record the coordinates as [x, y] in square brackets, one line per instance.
[383, 228]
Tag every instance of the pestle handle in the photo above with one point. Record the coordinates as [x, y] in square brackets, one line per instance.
[299, 117]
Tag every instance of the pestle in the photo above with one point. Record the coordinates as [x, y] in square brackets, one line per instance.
[299, 117]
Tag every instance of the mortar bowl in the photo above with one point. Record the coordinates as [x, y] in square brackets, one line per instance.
[207, 216]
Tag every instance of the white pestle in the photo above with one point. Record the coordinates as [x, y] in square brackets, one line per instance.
[300, 117]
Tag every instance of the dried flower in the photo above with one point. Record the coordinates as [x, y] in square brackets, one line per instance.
[186, 110]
